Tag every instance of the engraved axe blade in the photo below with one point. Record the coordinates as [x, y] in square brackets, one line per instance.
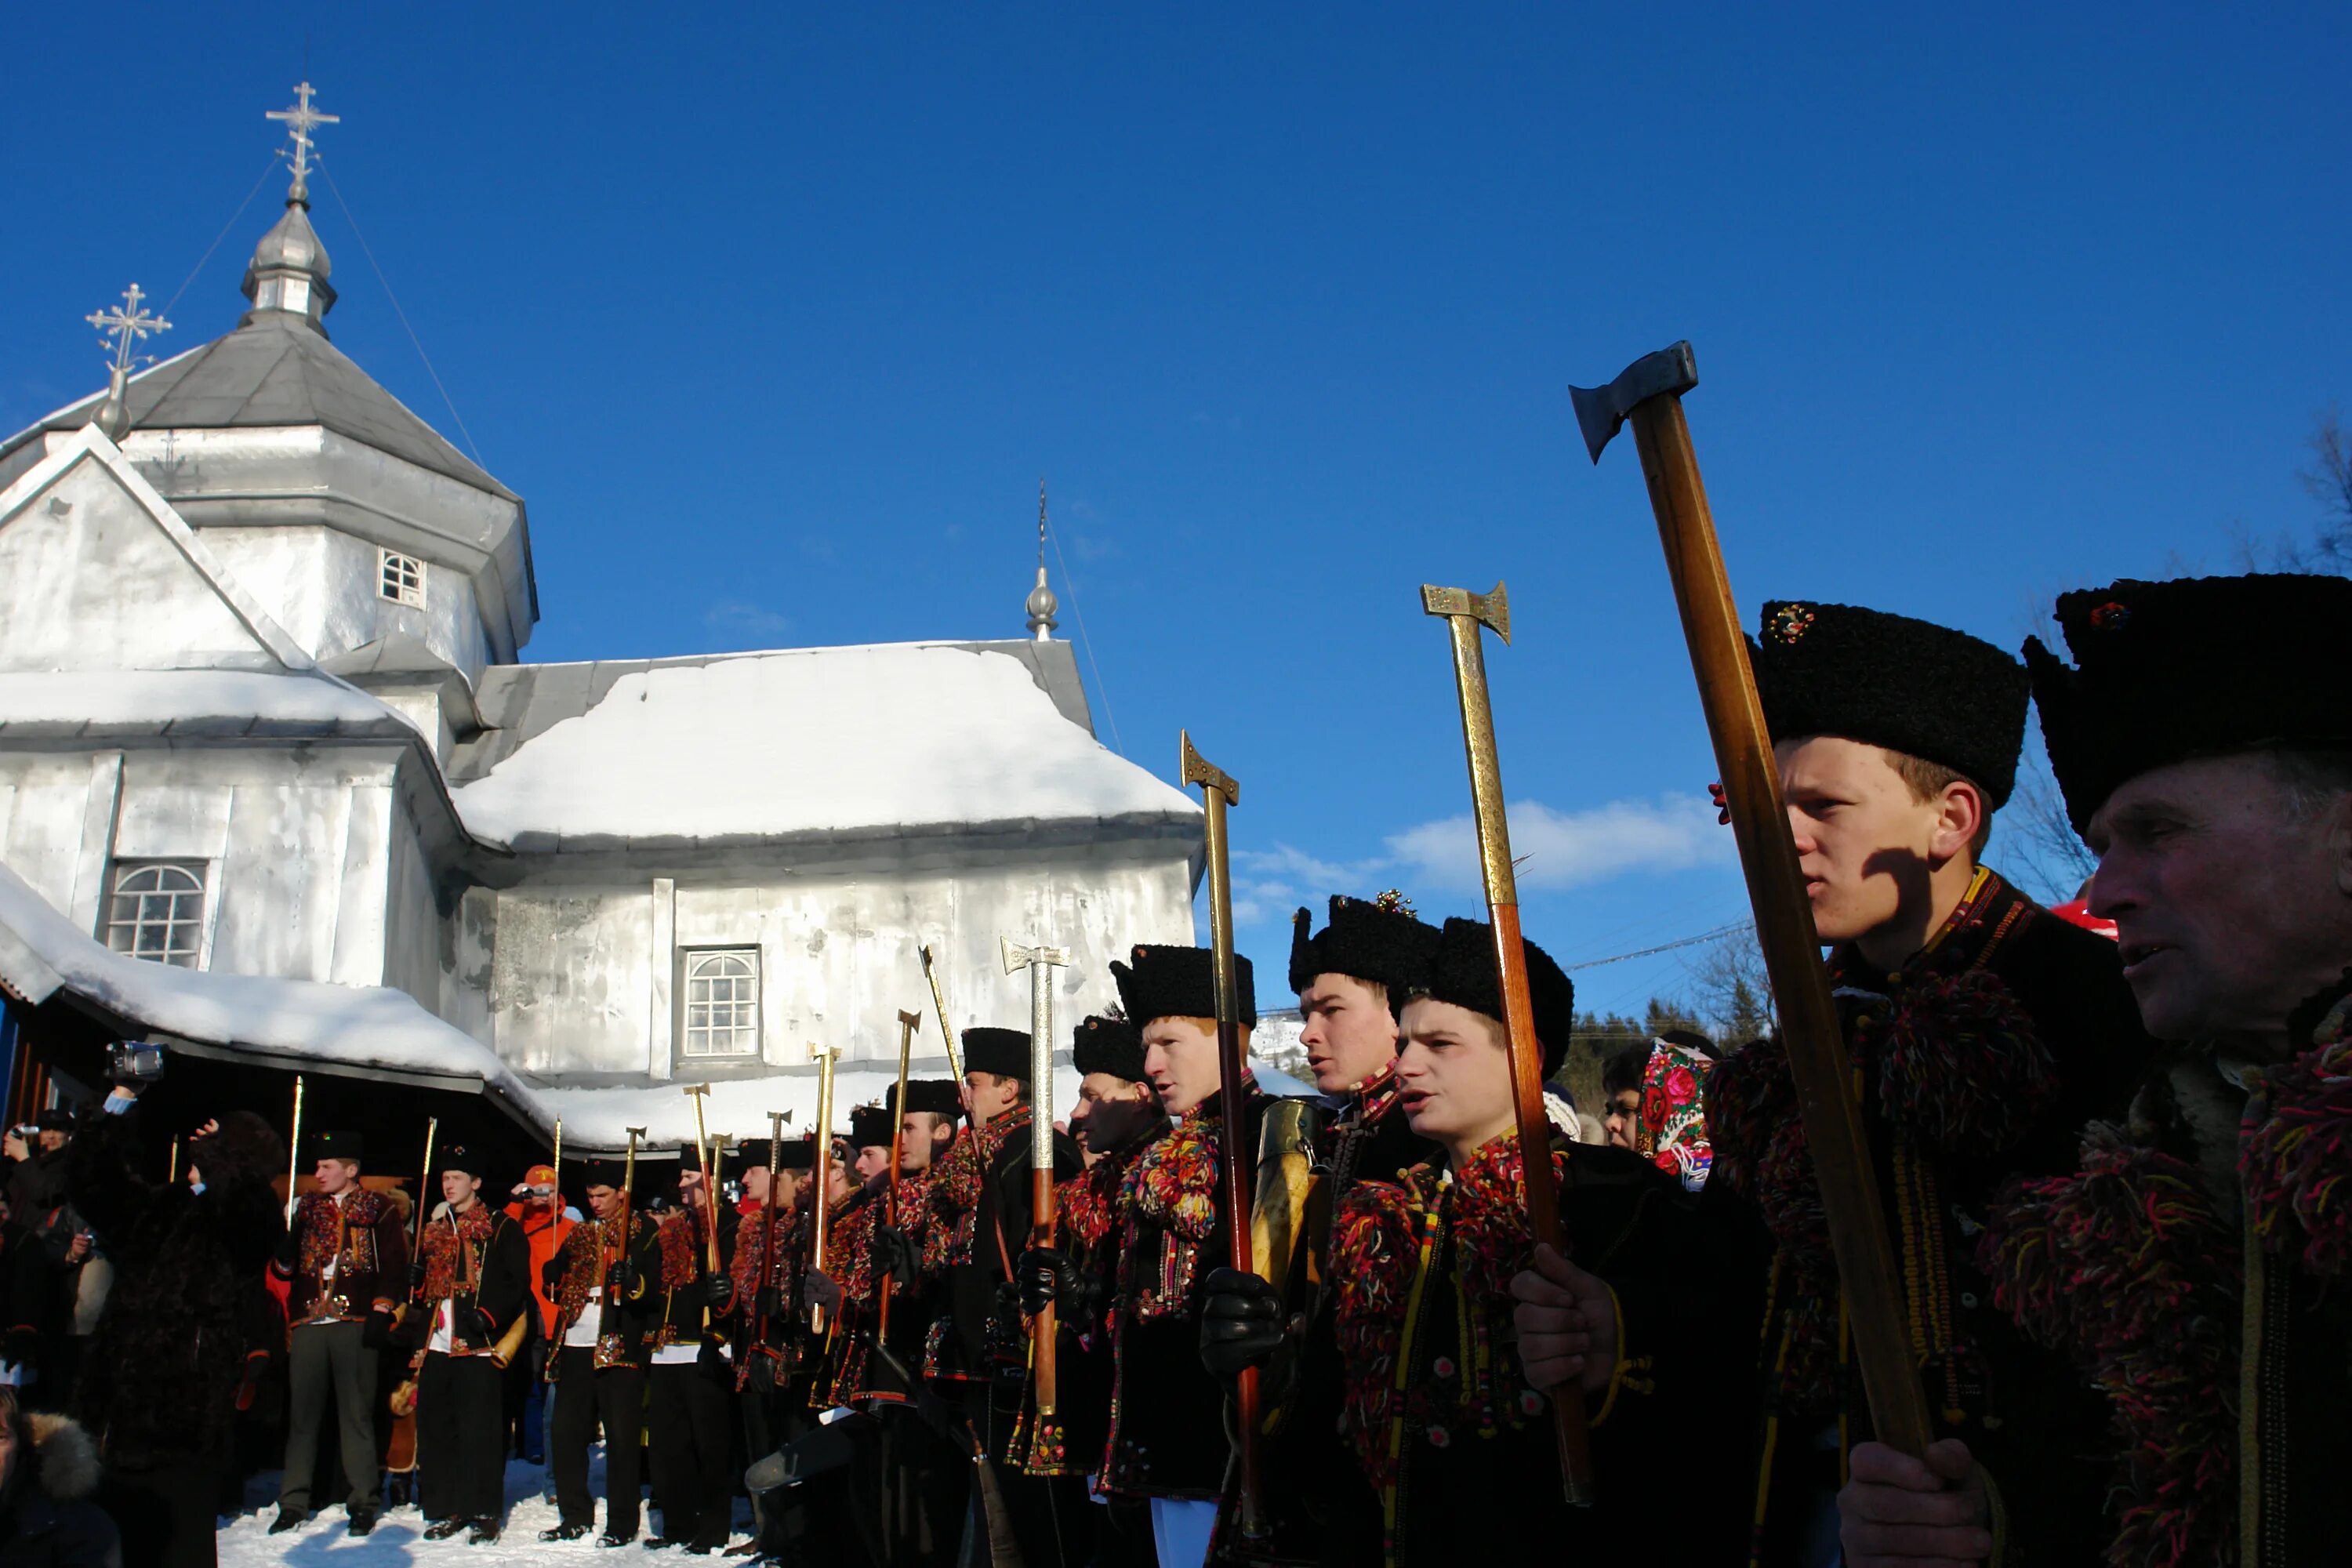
[913, 1021]
[1017, 957]
[1198, 769]
[1600, 410]
[1492, 608]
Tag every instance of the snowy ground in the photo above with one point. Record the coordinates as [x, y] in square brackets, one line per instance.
[399, 1538]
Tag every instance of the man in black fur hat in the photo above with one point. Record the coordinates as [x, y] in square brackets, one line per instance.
[345, 1259]
[1985, 1032]
[603, 1281]
[472, 1291]
[1352, 980]
[2194, 1265]
[1167, 1446]
[689, 1413]
[1117, 1116]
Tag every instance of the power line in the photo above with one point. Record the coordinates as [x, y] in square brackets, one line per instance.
[207, 255]
[1085, 640]
[1664, 947]
[386, 283]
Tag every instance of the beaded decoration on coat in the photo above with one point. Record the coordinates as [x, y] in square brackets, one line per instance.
[2128, 1266]
[1391, 1242]
[1170, 1195]
[343, 1235]
[1953, 1066]
[447, 1269]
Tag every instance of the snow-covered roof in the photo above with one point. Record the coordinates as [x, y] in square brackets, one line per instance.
[367, 1026]
[78, 704]
[813, 743]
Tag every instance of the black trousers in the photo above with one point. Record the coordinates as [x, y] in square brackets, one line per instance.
[771, 1421]
[330, 1361]
[164, 1509]
[582, 1397]
[460, 1437]
[691, 1433]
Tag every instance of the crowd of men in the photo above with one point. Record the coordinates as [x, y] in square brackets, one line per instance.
[2111, 1170]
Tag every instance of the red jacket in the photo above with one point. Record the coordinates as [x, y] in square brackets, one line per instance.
[544, 1230]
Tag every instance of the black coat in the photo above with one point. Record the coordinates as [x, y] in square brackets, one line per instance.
[46, 1517]
[188, 1307]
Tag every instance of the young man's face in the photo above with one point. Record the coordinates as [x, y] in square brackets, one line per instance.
[2229, 908]
[52, 1140]
[922, 1137]
[790, 1185]
[1624, 1116]
[1864, 845]
[989, 1095]
[755, 1183]
[1110, 1110]
[1350, 1035]
[459, 1187]
[604, 1203]
[335, 1176]
[841, 1178]
[1453, 1075]
[1180, 1057]
[873, 1162]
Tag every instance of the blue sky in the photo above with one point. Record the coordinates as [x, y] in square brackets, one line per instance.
[775, 315]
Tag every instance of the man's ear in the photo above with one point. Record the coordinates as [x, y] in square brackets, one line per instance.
[1961, 813]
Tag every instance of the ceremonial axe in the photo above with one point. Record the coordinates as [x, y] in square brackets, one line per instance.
[1648, 395]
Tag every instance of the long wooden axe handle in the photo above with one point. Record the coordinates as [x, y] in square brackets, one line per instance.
[1219, 792]
[1464, 612]
[1649, 395]
[907, 1023]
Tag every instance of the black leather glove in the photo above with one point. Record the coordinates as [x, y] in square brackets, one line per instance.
[287, 1247]
[625, 1283]
[1240, 1323]
[377, 1334]
[894, 1258]
[550, 1275]
[1048, 1279]
[416, 1277]
[248, 1384]
[717, 1292]
[481, 1329]
[769, 1302]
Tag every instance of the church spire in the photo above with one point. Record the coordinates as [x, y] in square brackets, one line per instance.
[289, 266]
[1042, 603]
[119, 328]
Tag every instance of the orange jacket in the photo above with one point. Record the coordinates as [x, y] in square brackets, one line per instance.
[544, 1233]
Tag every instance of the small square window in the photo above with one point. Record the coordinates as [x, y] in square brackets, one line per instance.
[157, 910]
[402, 579]
[722, 1004]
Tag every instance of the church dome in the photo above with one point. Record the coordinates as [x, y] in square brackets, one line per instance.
[288, 270]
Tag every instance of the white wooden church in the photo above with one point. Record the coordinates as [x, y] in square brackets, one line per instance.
[277, 787]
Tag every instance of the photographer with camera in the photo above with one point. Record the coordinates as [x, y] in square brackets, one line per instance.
[538, 1210]
[189, 1327]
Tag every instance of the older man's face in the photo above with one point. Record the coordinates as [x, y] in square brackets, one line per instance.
[2230, 907]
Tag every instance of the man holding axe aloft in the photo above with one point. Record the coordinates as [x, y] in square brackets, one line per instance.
[1959, 1036]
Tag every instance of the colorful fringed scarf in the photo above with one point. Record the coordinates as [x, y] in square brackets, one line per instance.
[342, 1234]
[1171, 1193]
[448, 1268]
[2296, 1154]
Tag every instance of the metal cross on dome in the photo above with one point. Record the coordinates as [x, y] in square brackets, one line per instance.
[122, 327]
[301, 119]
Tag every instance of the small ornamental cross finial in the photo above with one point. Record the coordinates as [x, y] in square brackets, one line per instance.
[1041, 605]
[119, 328]
[300, 121]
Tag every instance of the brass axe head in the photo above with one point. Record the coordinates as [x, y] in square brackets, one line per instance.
[1600, 410]
[1492, 608]
[913, 1021]
[1198, 769]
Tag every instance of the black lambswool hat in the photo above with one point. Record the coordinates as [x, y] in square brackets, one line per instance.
[870, 1127]
[795, 1153]
[1379, 940]
[1461, 970]
[2198, 666]
[936, 1095]
[458, 1157]
[1111, 1046]
[1004, 1052]
[603, 1174]
[1910, 686]
[733, 1161]
[1179, 982]
[336, 1145]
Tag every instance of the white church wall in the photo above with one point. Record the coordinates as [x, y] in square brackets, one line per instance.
[44, 798]
[419, 950]
[324, 587]
[594, 980]
[87, 581]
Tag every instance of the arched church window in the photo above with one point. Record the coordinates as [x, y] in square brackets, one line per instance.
[157, 911]
[722, 1003]
[402, 579]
